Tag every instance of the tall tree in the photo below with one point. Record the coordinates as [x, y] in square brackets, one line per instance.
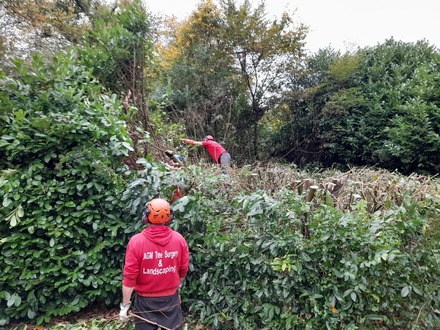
[230, 61]
[265, 49]
[204, 90]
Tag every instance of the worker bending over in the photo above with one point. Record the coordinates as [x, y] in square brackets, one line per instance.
[215, 149]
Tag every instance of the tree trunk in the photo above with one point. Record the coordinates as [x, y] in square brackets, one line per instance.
[256, 140]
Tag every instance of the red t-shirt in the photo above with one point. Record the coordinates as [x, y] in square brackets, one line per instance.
[214, 149]
[155, 261]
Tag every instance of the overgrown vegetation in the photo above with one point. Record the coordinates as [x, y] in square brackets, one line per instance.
[273, 260]
[372, 107]
[270, 259]
[273, 246]
[63, 226]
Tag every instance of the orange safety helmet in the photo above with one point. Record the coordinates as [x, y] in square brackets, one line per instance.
[157, 211]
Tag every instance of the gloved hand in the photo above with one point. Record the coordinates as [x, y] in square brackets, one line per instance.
[188, 141]
[123, 314]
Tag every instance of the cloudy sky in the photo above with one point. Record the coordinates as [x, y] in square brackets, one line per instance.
[344, 24]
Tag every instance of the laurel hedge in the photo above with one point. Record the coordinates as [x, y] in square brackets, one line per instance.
[62, 224]
[264, 261]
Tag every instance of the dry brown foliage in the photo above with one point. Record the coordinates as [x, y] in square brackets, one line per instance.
[381, 189]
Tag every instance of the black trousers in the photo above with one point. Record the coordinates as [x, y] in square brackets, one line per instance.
[165, 312]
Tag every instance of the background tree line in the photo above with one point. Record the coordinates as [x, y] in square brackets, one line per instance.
[92, 94]
[230, 71]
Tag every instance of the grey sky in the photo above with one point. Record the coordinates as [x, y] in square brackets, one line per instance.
[344, 24]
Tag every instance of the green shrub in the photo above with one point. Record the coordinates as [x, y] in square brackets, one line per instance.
[276, 262]
[62, 221]
[376, 107]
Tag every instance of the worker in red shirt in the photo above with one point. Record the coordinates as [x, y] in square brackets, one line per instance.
[215, 149]
[156, 262]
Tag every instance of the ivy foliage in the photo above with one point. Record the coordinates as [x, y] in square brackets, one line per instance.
[61, 222]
